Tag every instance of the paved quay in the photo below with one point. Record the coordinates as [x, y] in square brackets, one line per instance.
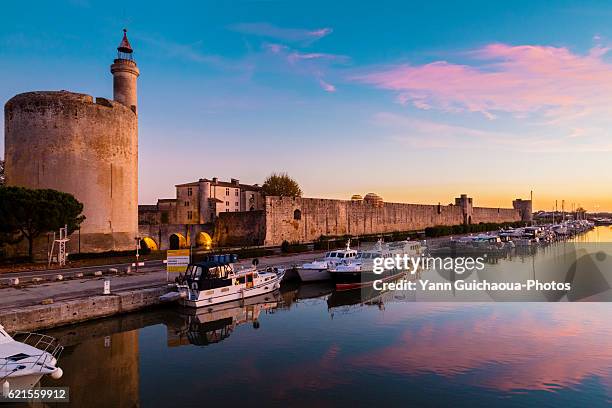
[148, 277]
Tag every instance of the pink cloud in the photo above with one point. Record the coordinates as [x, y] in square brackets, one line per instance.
[320, 33]
[514, 79]
[275, 48]
[296, 56]
[280, 33]
[312, 64]
[327, 87]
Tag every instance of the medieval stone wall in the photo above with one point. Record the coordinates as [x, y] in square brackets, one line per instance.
[306, 219]
[498, 215]
[246, 228]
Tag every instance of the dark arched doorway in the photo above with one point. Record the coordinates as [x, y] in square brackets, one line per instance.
[177, 241]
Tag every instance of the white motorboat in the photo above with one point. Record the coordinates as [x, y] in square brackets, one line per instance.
[23, 363]
[216, 280]
[319, 270]
[560, 229]
[359, 272]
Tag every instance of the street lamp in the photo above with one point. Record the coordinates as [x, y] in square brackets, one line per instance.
[137, 251]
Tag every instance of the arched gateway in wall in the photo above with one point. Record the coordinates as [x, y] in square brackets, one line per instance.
[149, 243]
[203, 240]
[177, 241]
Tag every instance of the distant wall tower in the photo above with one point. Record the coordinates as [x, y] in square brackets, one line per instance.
[467, 208]
[125, 75]
[88, 148]
[525, 208]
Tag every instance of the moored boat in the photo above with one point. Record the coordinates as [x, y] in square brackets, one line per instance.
[25, 358]
[360, 272]
[318, 270]
[216, 280]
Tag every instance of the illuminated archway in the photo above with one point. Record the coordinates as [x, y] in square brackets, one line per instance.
[149, 243]
[177, 241]
[203, 240]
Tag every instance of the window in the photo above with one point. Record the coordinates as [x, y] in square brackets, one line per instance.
[227, 210]
[297, 215]
[227, 191]
[186, 203]
[189, 215]
[227, 203]
[237, 204]
[236, 210]
[236, 192]
[189, 191]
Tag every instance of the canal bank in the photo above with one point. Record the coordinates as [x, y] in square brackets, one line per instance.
[51, 315]
[57, 303]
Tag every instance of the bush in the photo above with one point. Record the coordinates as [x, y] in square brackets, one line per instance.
[443, 230]
[285, 247]
[296, 247]
[325, 243]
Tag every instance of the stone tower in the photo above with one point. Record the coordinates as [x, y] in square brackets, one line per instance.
[89, 148]
[125, 73]
[525, 208]
[467, 209]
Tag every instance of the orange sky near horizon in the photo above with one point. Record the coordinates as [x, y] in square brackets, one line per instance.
[490, 196]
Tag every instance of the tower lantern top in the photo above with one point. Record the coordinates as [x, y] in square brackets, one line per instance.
[124, 50]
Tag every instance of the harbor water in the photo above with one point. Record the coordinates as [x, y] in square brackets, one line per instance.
[311, 346]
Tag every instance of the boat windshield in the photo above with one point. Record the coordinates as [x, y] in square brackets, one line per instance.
[366, 255]
[193, 272]
[217, 272]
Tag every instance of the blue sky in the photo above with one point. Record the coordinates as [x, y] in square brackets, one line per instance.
[417, 102]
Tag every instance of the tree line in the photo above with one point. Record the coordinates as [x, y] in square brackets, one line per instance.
[25, 214]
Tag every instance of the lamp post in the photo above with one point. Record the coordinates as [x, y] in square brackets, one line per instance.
[137, 251]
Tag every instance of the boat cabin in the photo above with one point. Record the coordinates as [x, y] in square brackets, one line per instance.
[341, 254]
[209, 275]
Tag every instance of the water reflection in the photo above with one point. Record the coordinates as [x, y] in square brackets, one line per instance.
[515, 350]
[101, 365]
[209, 325]
[510, 348]
[585, 262]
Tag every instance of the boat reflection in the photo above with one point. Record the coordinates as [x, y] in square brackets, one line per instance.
[209, 325]
[368, 296]
[314, 290]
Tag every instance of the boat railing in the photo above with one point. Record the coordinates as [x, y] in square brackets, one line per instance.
[49, 347]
